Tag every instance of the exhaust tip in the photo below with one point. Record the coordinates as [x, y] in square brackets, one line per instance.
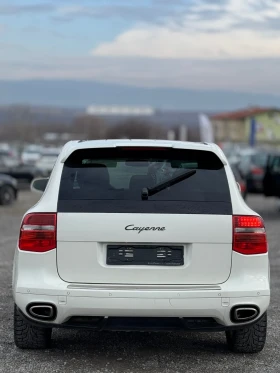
[42, 311]
[240, 314]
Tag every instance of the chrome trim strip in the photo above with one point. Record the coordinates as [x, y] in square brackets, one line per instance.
[38, 228]
[249, 230]
[144, 287]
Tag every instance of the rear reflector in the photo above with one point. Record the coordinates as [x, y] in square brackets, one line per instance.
[249, 236]
[38, 233]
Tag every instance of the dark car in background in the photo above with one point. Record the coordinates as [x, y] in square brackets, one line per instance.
[8, 190]
[9, 166]
[271, 180]
[252, 167]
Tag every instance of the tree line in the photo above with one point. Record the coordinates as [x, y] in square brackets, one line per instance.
[84, 127]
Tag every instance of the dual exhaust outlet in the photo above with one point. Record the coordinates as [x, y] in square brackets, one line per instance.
[42, 312]
[47, 312]
[240, 314]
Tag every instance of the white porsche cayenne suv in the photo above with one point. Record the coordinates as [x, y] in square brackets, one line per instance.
[141, 235]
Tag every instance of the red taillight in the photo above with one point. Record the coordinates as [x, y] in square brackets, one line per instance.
[248, 222]
[257, 171]
[249, 236]
[38, 232]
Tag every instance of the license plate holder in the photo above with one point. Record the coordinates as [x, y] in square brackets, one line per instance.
[151, 255]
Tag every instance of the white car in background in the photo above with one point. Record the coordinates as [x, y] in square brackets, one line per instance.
[141, 235]
[8, 156]
[46, 162]
[31, 154]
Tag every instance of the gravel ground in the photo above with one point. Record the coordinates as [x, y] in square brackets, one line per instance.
[83, 351]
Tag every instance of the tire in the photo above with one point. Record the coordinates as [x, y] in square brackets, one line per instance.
[250, 339]
[27, 336]
[7, 195]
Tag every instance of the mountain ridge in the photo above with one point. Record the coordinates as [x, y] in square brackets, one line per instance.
[79, 94]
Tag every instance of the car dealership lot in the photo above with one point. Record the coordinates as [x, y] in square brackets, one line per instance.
[85, 351]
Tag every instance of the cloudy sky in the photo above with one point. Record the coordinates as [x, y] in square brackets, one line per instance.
[193, 44]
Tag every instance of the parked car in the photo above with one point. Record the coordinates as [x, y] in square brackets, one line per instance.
[4, 146]
[46, 162]
[141, 235]
[252, 168]
[240, 180]
[31, 154]
[8, 190]
[18, 172]
[8, 158]
[271, 181]
[232, 151]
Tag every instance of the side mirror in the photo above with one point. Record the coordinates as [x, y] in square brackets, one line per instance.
[239, 187]
[39, 185]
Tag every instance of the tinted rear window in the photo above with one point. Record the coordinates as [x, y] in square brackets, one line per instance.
[112, 180]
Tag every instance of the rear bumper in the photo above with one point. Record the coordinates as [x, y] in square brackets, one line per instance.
[35, 280]
[204, 324]
[214, 310]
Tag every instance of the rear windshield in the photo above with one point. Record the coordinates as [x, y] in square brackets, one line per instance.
[112, 180]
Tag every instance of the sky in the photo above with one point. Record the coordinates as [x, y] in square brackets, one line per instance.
[231, 45]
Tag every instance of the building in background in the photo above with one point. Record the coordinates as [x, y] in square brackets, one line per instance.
[235, 126]
[115, 110]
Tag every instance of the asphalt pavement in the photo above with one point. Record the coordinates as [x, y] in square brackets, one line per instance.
[86, 351]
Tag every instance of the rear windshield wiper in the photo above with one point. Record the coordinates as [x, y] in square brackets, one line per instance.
[147, 192]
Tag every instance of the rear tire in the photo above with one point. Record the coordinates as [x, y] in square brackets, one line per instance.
[250, 339]
[27, 336]
[7, 195]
